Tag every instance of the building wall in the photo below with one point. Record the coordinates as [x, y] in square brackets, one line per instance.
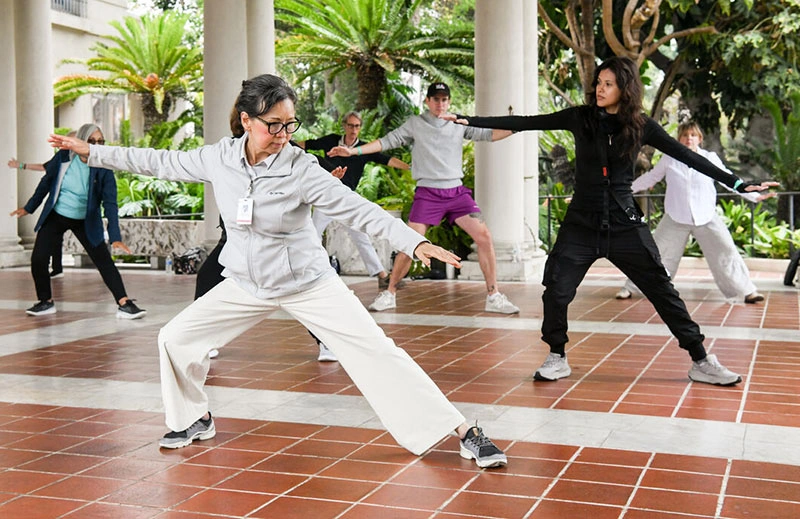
[73, 36]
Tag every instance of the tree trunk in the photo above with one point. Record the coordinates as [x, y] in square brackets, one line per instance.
[371, 83]
[151, 115]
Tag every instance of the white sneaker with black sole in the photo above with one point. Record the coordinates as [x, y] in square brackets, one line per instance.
[200, 430]
[623, 293]
[476, 446]
[710, 371]
[555, 367]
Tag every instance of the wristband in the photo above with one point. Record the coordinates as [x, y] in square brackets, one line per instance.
[738, 183]
[21, 166]
[359, 151]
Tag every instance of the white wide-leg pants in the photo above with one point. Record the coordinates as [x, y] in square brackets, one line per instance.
[411, 407]
[726, 264]
[360, 239]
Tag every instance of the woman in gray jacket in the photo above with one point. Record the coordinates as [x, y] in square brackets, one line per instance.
[274, 259]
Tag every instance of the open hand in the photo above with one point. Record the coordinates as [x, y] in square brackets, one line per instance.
[120, 245]
[453, 118]
[19, 212]
[339, 171]
[426, 250]
[69, 143]
[340, 151]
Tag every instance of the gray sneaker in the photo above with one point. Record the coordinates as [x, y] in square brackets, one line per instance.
[500, 304]
[710, 371]
[477, 446]
[555, 367]
[200, 430]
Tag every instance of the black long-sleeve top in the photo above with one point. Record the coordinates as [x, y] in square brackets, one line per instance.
[598, 145]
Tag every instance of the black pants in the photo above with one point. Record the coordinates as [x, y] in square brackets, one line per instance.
[51, 232]
[56, 263]
[632, 250]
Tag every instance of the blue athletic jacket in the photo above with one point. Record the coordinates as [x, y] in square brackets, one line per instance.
[102, 190]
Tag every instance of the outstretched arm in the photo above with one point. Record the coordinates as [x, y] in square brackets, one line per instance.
[364, 149]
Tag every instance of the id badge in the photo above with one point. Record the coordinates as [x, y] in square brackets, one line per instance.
[244, 213]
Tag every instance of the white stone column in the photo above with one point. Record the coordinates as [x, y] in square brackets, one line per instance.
[11, 252]
[499, 166]
[34, 87]
[531, 88]
[225, 66]
[260, 37]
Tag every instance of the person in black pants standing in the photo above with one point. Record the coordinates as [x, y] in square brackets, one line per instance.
[604, 221]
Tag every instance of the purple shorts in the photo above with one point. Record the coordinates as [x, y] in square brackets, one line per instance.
[431, 205]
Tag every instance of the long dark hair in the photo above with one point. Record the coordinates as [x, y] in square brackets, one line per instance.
[259, 95]
[629, 113]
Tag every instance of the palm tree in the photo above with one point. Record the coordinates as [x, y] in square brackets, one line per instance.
[371, 37]
[147, 57]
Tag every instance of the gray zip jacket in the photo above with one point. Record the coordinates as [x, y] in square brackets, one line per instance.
[436, 148]
[279, 253]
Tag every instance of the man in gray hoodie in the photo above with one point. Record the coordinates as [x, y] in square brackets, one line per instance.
[436, 165]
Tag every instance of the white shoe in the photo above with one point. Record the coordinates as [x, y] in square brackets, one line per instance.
[500, 304]
[326, 355]
[710, 371]
[385, 301]
[623, 293]
[555, 367]
[213, 354]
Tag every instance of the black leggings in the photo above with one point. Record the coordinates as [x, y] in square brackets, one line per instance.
[51, 232]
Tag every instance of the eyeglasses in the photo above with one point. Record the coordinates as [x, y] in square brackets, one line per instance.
[276, 127]
[96, 141]
[352, 126]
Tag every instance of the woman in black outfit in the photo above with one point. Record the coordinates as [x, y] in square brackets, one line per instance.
[604, 221]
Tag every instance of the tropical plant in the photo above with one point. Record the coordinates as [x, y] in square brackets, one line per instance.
[148, 57]
[374, 38]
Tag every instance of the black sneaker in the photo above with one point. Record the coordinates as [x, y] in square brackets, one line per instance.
[130, 311]
[200, 430]
[56, 274]
[477, 446]
[42, 308]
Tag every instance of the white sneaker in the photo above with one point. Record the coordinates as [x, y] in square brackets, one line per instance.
[710, 371]
[213, 354]
[555, 367]
[500, 304]
[385, 301]
[623, 293]
[326, 355]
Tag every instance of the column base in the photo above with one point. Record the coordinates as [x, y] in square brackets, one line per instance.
[513, 264]
[20, 258]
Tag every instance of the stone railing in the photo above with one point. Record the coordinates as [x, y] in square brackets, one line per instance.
[145, 237]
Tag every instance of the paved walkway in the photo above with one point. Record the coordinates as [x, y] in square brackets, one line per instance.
[626, 436]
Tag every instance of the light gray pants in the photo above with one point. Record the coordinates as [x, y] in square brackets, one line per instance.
[360, 240]
[411, 407]
[726, 264]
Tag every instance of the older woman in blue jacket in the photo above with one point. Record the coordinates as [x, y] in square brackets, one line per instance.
[76, 192]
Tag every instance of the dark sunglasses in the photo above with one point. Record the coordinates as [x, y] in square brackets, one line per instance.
[96, 141]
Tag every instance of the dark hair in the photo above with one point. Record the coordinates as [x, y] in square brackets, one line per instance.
[629, 111]
[259, 95]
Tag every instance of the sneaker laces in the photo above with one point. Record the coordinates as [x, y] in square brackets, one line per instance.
[552, 360]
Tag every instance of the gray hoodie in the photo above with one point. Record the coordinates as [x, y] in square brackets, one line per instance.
[279, 253]
[436, 148]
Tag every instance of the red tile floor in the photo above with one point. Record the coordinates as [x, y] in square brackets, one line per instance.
[626, 436]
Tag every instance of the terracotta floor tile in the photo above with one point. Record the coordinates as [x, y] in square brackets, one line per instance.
[229, 458]
[541, 450]
[650, 514]
[416, 497]
[105, 447]
[520, 486]
[362, 470]
[756, 488]
[22, 482]
[325, 449]
[62, 463]
[338, 489]
[363, 511]
[106, 511]
[689, 463]
[670, 480]
[381, 453]
[263, 482]
[597, 493]
[602, 473]
[125, 468]
[294, 464]
[671, 501]
[257, 442]
[10, 458]
[192, 475]
[147, 493]
[548, 509]
[740, 508]
[434, 477]
[83, 488]
[761, 470]
[487, 505]
[27, 507]
[297, 508]
[214, 501]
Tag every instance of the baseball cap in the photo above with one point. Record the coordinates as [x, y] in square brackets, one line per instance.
[438, 89]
